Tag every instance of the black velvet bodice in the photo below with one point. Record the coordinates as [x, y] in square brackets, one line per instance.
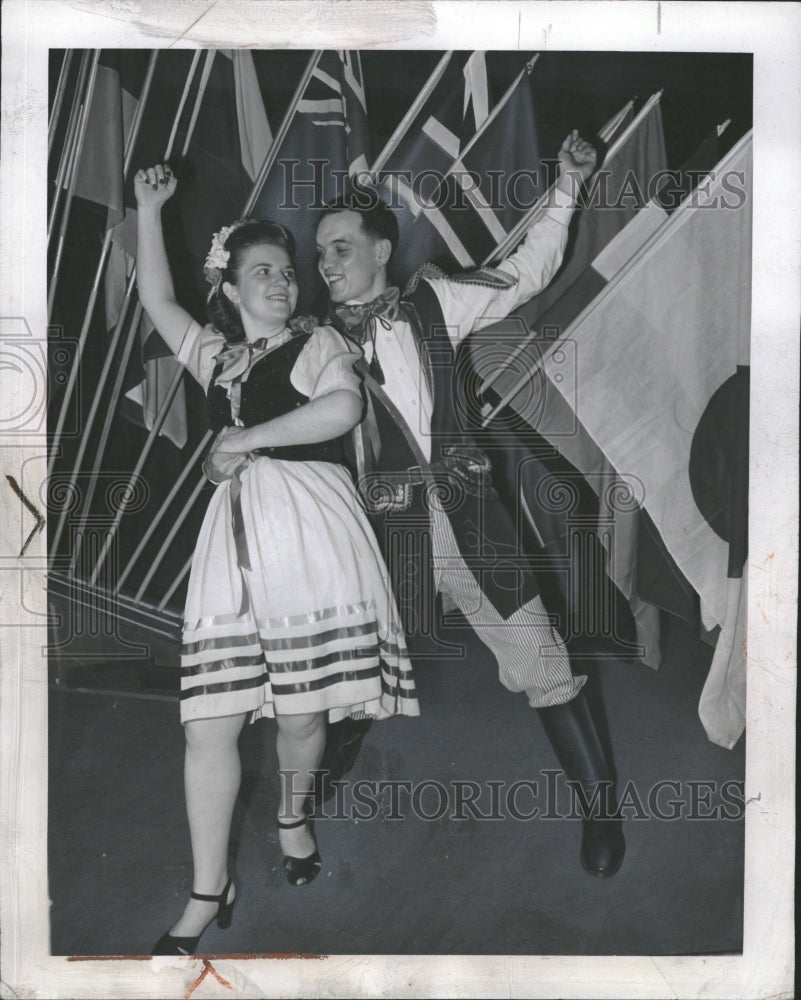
[268, 393]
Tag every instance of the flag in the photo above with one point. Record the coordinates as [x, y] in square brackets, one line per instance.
[639, 564]
[255, 137]
[615, 246]
[660, 365]
[455, 108]
[497, 177]
[216, 171]
[99, 171]
[99, 174]
[670, 187]
[463, 175]
[615, 194]
[616, 129]
[230, 139]
[635, 160]
[324, 151]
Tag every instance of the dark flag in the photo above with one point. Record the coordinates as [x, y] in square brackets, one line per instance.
[635, 155]
[615, 195]
[463, 175]
[324, 150]
[99, 172]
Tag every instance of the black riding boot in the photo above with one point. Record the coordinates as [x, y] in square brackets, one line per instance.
[343, 742]
[574, 738]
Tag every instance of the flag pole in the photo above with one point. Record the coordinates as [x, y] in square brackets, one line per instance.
[272, 153]
[175, 382]
[90, 308]
[58, 99]
[204, 80]
[175, 584]
[115, 337]
[164, 508]
[65, 171]
[182, 103]
[73, 177]
[68, 145]
[405, 123]
[168, 540]
[172, 389]
[92, 481]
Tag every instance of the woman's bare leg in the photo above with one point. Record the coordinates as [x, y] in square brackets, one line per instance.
[212, 775]
[300, 744]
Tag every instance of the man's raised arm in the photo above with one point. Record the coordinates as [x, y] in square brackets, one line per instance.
[468, 307]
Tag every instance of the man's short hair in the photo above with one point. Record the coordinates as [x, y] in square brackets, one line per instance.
[378, 219]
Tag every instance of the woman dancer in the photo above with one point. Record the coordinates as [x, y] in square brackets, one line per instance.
[288, 612]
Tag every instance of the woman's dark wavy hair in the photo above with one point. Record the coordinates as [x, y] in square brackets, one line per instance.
[223, 314]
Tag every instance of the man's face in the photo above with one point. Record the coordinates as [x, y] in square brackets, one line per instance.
[352, 265]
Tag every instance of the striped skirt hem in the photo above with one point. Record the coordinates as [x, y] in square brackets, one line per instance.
[335, 660]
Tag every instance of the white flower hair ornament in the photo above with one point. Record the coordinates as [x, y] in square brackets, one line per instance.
[218, 257]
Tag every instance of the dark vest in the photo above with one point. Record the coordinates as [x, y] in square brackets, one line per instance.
[269, 393]
[486, 534]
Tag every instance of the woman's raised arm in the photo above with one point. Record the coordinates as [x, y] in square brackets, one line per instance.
[155, 186]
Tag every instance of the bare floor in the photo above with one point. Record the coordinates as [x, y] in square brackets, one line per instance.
[427, 873]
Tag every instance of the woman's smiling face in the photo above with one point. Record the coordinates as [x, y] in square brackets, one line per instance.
[266, 291]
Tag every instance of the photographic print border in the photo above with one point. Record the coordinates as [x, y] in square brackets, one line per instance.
[770, 32]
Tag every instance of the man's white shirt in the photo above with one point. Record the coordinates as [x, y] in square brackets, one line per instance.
[465, 308]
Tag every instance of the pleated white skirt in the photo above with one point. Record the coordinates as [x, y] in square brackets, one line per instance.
[312, 625]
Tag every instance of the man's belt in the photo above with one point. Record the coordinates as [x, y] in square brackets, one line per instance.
[463, 470]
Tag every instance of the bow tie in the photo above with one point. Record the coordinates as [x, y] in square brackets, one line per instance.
[237, 359]
[384, 309]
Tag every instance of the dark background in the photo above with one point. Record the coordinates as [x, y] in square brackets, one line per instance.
[586, 88]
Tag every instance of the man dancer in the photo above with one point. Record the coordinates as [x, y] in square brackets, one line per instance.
[413, 437]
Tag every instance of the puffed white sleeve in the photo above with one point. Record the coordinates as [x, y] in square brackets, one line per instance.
[326, 364]
[198, 350]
